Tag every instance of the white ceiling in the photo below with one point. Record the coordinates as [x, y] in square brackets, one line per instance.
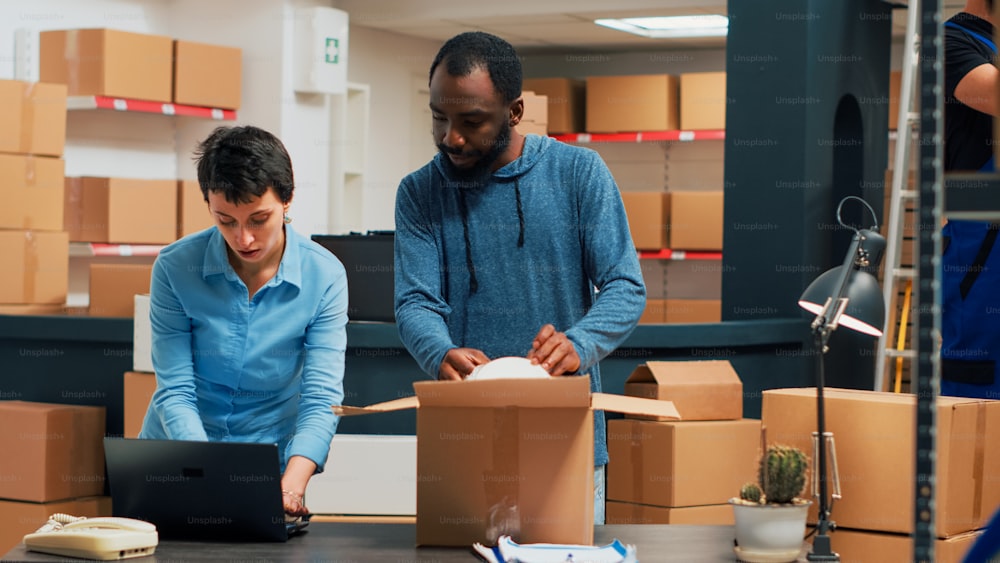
[549, 25]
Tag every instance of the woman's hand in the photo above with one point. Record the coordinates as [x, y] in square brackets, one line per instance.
[293, 485]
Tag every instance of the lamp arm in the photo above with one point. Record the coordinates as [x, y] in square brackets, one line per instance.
[827, 320]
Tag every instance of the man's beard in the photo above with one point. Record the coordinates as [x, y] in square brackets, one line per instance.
[479, 171]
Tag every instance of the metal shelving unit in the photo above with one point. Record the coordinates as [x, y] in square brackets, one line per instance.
[927, 370]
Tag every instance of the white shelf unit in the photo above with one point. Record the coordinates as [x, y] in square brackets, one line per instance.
[349, 120]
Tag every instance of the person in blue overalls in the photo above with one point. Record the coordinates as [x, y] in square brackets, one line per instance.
[970, 291]
[970, 319]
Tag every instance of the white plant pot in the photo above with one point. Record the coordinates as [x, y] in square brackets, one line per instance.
[768, 533]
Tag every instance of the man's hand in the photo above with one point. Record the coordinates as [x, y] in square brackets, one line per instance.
[459, 362]
[554, 352]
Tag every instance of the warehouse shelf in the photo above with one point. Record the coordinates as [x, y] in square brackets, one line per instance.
[144, 106]
[668, 254]
[643, 136]
[88, 249]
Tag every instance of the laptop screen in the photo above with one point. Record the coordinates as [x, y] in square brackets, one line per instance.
[198, 490]
[368, 259]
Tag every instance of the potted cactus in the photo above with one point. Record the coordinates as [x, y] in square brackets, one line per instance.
[770, 516]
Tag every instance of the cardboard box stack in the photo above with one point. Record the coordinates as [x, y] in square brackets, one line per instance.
[876, 453]
[53, 461]
[508, 456]
[566, 102]
[683, 471]
[33, 244]
[536, 114]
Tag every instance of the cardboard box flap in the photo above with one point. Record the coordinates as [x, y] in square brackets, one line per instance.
[554, 392]
[634, 405]
[388, 406]
[864, 395]
[698, 372]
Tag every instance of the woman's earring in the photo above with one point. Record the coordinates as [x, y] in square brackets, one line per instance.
[287, 219]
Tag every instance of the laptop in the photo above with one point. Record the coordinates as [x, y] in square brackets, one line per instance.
[368, 259]
[190, 490]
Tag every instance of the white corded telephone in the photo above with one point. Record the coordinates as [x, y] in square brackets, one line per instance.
[103, 538]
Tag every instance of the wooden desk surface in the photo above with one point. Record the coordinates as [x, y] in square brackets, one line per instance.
[394, 543]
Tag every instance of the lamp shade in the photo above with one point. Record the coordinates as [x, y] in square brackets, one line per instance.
[865, 310]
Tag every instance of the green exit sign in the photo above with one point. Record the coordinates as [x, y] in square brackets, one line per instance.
[332, 50]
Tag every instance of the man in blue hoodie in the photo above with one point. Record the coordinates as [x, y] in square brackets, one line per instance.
[510, 244]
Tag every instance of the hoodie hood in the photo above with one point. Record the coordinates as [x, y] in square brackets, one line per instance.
[534, 148]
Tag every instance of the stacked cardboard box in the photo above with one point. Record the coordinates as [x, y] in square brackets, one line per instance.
[566, 102]
[876, 456]
[53, 462]
[536, 114]
[681, 472]
[141, 66]
[33, 244]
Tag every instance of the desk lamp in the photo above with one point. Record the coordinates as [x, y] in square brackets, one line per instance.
[849, 296]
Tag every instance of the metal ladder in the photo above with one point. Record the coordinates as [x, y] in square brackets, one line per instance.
[896, 278]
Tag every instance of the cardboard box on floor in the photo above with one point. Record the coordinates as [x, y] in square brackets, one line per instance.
[679, 464]
[51, 451]
[507, 456]
[20, 518]
[699, 390]
[876, 454]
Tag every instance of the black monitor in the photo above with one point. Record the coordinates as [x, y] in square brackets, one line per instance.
[368, 259]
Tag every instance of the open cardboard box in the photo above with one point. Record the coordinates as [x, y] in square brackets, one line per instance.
[508, 456]
[700, 390]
